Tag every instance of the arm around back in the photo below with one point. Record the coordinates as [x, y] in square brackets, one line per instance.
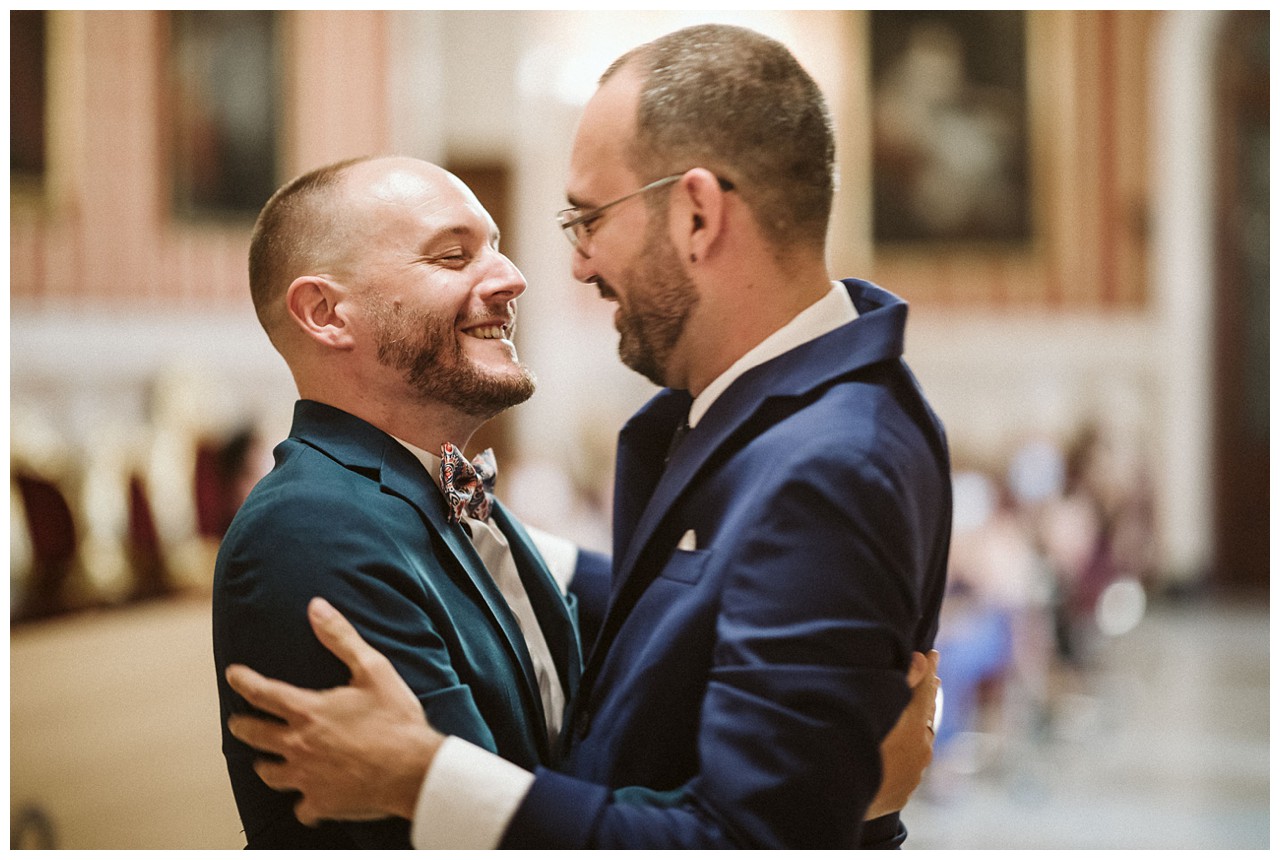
[814, 601]
[283, 550]
[590, 585]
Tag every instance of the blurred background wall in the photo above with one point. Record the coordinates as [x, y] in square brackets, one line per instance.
[1075, 204]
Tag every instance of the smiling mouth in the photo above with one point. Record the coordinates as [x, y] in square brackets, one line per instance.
[488, 332]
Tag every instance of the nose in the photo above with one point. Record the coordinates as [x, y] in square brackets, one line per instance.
[583, 269]
[502, 281]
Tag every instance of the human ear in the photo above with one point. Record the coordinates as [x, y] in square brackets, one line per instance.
[701, 213]
[317, 306]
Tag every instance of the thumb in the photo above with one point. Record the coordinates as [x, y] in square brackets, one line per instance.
[336, 633]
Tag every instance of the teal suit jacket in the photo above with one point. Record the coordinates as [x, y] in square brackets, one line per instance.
[350, 515]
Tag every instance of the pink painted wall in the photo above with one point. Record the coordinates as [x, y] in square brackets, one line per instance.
[101, 231]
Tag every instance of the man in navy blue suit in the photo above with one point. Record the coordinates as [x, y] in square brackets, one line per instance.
[781, 520]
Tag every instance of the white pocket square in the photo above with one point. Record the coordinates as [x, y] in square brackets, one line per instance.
[689, 541]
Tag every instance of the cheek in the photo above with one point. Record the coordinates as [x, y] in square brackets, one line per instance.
[438, 316]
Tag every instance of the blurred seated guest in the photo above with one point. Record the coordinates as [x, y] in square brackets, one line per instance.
[974, 630]
[995, 617]
[978, 640]
[44, 475]
[1096, 532]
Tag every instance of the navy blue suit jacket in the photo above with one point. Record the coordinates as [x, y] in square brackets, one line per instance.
[737, 694]
[351, 515]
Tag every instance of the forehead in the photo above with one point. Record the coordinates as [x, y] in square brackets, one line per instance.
[597, 166]
[405, 191]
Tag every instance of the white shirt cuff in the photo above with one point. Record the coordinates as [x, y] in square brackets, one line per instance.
[560, 554]
[468, 798]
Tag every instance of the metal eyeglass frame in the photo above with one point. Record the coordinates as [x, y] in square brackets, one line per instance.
[573, 221]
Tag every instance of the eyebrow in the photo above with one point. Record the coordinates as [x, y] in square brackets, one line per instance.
[577, 202]
[461, 230]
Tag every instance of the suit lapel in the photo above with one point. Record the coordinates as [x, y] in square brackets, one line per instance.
[360, 446]
[700, 443]
[547, 601]
[642, 444]
[406, 477]
[646, 492]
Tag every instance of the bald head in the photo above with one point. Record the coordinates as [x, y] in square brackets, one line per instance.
[321, 221]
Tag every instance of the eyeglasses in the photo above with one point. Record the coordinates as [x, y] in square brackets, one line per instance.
[579, 224]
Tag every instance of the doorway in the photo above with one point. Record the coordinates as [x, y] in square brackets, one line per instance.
[1242, 303]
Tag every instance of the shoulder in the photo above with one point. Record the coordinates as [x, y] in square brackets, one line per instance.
[852, 449]
[309, 489]
[308, 516]
[855, 423]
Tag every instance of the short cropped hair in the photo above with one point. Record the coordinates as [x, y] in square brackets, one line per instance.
[293, 233]
[739, 104]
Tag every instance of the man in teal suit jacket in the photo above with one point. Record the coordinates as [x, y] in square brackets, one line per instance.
[381, 284]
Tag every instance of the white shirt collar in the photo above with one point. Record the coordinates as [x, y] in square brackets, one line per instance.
[431, 461]
[825, 315]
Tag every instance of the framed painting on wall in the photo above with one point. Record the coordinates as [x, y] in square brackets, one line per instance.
[224, 98]
[950, 157]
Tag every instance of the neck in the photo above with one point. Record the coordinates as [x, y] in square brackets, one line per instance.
[739, 311]
[426, 424]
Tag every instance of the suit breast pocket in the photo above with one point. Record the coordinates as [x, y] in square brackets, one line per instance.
[686, 565]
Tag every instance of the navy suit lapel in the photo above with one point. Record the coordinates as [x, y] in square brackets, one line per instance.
[642, 445]
[646, 492]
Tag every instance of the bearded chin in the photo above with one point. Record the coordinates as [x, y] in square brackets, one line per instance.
[492, 395]
[468, 389]
[638, 356]
[436, 369]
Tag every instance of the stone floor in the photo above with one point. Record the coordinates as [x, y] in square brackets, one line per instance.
[1163, 744]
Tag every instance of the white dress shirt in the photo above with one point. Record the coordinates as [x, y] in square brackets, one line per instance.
[470, 795]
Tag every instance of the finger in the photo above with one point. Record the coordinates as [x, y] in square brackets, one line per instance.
[923, 692]
[275, 697]
[934, 659]
[275, 774]
[336, 633]
[306, 814]
[919, 667]
[260, 734]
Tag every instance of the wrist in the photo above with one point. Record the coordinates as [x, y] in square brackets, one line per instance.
[419, 752]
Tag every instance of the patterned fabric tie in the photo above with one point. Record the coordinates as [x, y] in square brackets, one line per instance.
[467, 485]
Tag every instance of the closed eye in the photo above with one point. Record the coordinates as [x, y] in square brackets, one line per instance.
[454, 259]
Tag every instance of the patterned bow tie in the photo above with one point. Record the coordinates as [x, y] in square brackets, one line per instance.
[467, 485]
